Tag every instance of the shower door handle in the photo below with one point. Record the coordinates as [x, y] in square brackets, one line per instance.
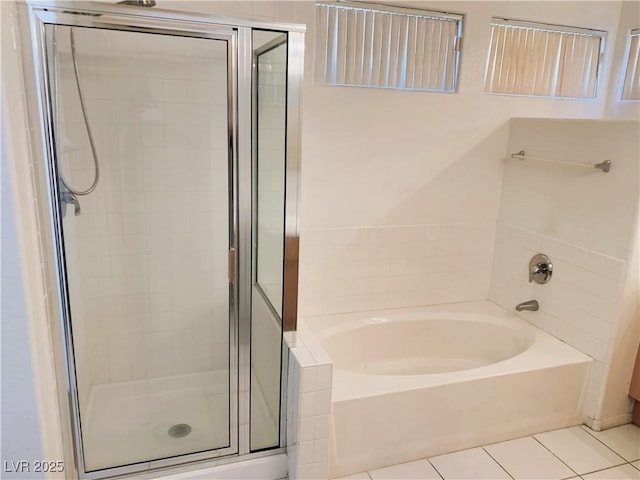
[232, 265]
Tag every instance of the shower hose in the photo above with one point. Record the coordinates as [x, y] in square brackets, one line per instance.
[83, 107]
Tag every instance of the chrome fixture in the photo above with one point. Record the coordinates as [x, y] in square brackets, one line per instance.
[70, 194]
[66, 198]
[85, 117]
[529, 306]
[605, 166]
[540, 269]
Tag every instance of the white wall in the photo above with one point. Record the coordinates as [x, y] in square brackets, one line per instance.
[401, 190]
[584, 220]
[629, 18]
[21, 423]
[574, 205]
[380, 158]
[31, 422]
[616, 405]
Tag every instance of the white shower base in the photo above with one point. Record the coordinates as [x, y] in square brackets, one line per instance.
[128, 422]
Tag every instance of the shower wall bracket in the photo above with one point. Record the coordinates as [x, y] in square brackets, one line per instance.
[69, 198]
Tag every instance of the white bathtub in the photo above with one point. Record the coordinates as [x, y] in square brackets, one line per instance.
[412, 383]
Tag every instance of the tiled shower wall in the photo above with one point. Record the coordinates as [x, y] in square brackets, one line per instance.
[359, 269]
[147, 257]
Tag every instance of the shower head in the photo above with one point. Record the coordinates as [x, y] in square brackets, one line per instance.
[139, 3]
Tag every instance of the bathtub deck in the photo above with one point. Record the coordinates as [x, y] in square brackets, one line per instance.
[380, 420]
[545, 353]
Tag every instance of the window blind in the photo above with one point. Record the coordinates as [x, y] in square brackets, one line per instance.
[544, 60]
[388, 47]
[631, 85]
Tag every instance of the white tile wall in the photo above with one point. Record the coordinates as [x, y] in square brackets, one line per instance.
[578, 206]
[147, 258]
[370, 268]
[579, 305]
[309, 406]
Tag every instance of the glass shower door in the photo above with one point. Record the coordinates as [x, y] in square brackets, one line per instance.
[144, 172]
[269, 174]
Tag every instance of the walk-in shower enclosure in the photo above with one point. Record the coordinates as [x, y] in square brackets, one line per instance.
[176, 274]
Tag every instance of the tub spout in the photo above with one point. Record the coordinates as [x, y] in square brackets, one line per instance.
[531, 306]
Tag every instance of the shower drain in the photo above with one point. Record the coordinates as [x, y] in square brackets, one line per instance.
[180, 430]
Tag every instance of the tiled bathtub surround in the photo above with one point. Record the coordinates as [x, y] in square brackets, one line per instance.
[308, 408]
[373, 268]
[580, 206]
[584, 220]
[579, 306]
[415, 382]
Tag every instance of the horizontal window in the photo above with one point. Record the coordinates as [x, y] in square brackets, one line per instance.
[544, 60]
[371, 45]
[631, 85]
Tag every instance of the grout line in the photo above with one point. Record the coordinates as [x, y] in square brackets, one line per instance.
[505, 470]
[434, 467]
[576, 474]
[552, 453]
[495, 443]
[573, 245]
[607, 468]
[588, 430]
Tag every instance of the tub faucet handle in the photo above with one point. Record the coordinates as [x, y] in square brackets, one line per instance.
[534, 271]
[540, 269]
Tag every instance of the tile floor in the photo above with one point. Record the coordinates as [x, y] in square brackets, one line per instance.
[569, 453]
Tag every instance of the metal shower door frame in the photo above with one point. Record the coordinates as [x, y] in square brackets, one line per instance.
[33, 16]
[39, 18]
